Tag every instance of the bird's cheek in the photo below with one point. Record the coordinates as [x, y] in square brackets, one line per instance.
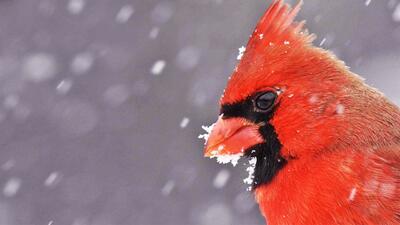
[232, 136]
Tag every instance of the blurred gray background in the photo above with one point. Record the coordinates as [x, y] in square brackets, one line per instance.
[101, 103]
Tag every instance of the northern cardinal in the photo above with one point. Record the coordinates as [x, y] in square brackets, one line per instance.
[325, 147]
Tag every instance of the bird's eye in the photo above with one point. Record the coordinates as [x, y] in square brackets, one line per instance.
[265, 101]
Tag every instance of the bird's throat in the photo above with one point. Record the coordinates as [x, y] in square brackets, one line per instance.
[269, 160]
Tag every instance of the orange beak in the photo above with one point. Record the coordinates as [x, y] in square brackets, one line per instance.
[231, 137]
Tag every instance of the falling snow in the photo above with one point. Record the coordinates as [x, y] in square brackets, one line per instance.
[168, 187]
[322, 42]
[154, 33]
[352, 194]
[184, 122]
[162, 12]
[313, 99]
[39, 67]
[76, 6]
[53, 179]
[158, 67]
[340, 109]
[116, 95]
[124, 14]
[396, 13]
[11, 187]
[82, 63]
[64, 86]
[188, 58]
[221, 178]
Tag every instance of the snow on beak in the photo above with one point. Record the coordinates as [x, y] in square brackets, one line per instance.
[229, 138]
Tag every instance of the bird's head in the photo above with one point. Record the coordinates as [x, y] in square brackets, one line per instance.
[284, 101]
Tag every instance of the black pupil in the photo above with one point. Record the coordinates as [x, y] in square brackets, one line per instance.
[266, 100]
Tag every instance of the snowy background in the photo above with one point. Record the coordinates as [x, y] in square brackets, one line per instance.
[101, 103]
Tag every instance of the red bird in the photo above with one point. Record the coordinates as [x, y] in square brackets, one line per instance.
[325, 146]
